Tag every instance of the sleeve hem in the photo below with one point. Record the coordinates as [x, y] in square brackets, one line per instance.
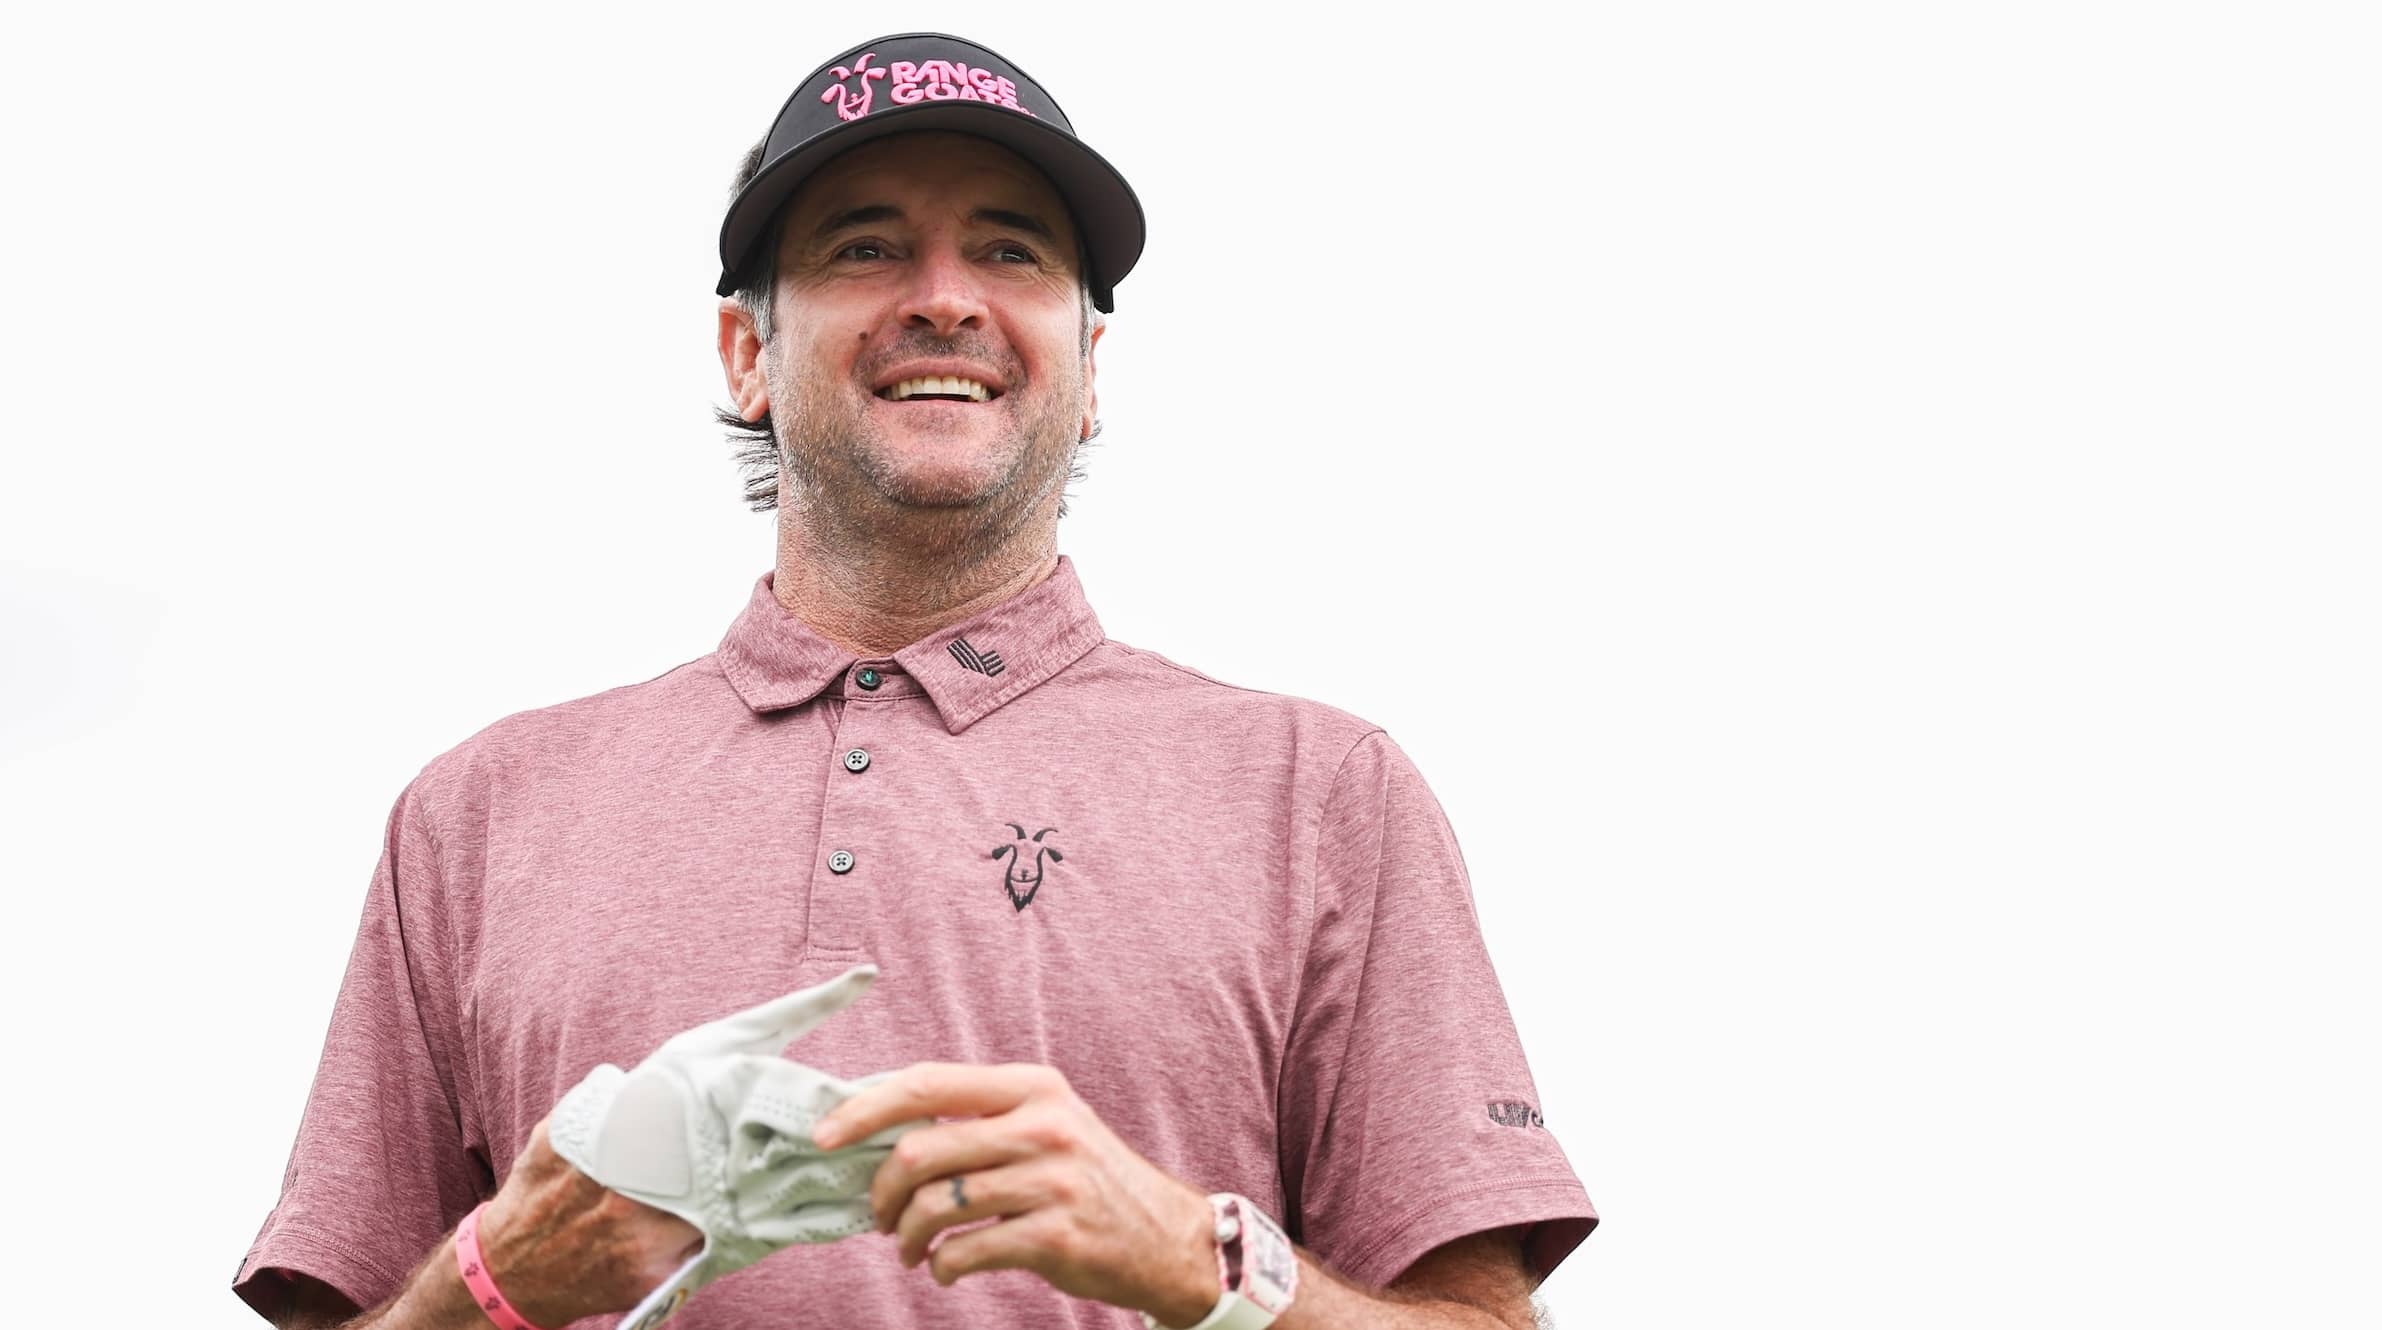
[309, 1252]
[1557, 1209]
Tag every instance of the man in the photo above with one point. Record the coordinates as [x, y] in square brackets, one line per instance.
[1173, 973]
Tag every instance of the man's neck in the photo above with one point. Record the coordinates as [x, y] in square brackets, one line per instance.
[877, 605]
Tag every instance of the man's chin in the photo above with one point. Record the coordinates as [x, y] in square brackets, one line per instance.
[921, 483]
[923, 499]
[930, 462]
[943, 468]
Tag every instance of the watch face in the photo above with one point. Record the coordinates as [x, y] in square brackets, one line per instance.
[1275, 1263]
[1270, 1265]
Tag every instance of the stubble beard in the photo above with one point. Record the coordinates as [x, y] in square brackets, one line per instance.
[842, 477]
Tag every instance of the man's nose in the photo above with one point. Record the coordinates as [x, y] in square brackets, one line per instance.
[945, 294]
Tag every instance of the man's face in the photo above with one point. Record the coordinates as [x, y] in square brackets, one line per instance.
[929, 256]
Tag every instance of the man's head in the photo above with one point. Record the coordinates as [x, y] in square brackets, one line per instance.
[923, 211]
[759, 295]
[927, 256]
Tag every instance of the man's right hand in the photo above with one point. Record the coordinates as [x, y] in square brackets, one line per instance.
[561, 1245]
[641, 1187]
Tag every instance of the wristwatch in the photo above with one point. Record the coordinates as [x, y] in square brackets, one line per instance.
[1255, 1263]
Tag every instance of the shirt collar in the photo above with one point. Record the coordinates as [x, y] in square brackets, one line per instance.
[774, 660]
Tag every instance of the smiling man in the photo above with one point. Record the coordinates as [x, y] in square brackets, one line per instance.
[1176, 1007]
[931, 351]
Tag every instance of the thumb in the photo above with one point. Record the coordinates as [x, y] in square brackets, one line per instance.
[770, 1026]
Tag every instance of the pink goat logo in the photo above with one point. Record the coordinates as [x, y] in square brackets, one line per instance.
[1016, 875]
[848, 107]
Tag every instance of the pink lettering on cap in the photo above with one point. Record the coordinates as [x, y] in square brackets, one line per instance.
[947, 81]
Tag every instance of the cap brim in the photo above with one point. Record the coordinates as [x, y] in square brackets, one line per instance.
[1104, 206]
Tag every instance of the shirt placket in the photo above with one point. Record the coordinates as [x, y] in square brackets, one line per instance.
[847, 867]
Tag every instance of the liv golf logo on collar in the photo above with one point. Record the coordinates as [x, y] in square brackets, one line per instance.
[983, 662]
[910, 81]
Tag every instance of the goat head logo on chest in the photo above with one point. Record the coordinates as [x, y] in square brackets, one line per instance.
[1019, 879]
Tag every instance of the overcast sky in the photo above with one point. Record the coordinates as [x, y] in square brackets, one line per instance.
[1863, 513]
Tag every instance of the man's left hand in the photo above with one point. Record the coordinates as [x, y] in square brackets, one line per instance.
[1075, 1204]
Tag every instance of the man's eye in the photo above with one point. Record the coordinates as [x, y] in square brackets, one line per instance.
[861, 249]
[1012, 252]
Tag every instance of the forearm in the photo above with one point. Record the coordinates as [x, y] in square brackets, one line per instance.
[1484, 1297]
[434, 1298]
[1327, 1302]
[558, 1245]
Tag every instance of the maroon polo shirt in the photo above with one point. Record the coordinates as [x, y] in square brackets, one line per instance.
[1237, 921]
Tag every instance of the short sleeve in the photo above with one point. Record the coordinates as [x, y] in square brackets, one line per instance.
[380, 1171]
[1409, 1117]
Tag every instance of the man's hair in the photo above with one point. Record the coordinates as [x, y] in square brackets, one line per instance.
[758, 452]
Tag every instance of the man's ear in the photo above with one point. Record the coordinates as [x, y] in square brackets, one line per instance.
[1091, 383]
[740, 360]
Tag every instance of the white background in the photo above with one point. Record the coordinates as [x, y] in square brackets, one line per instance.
[1865, 514]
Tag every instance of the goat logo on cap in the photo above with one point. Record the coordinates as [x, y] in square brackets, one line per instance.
[848, 107]
[1017, 876]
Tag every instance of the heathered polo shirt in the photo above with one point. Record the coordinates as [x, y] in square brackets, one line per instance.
[1237, 921]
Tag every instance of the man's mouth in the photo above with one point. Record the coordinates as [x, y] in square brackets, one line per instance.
[937, 389]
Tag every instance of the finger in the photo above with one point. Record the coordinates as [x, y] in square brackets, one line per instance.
[928, 1154]
[770, 1026]
[1022, 1243]
[967, 1198]
[933, 1089]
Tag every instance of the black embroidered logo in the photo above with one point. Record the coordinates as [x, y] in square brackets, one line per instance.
[983, 662]
[1514, 1113]
[1016, 878]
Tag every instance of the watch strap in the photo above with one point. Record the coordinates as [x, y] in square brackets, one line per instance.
[1256, 1267]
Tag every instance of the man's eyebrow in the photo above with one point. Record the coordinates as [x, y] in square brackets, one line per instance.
[1016, 221]
[868, 214]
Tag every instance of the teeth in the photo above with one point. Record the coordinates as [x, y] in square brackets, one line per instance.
[940, 385]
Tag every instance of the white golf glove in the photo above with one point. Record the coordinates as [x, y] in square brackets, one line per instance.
[715, 1127]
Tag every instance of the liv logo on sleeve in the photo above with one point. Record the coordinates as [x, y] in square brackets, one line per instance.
[1514, 1113]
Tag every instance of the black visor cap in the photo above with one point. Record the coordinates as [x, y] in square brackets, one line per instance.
[932, 80]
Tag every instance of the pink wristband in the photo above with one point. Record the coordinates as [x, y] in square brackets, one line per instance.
[476, 1278]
